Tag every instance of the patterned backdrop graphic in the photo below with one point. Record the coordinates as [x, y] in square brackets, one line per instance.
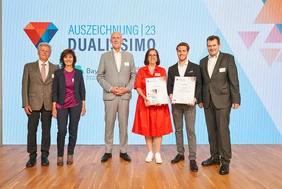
[250, 30]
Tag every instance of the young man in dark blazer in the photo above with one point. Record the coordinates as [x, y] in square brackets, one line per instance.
[220, 94]
[184, 68]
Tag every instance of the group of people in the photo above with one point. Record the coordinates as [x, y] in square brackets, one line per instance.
[61, 92]
[49, 91]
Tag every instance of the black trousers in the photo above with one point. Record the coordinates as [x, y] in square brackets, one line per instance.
[32, 125]
[217, 121]
[73, 114]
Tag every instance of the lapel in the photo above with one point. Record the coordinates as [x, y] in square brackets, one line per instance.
[188, 69]
[49, 71]
[217, 65]
[175, 70]
[122, 61]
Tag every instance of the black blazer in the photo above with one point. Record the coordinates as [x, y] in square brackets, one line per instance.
[223, 86]
[59, 86]
[193, 70]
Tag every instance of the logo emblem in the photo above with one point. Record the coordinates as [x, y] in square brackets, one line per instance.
[40, 32]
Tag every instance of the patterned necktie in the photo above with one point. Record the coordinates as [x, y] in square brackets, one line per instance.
[43, 72]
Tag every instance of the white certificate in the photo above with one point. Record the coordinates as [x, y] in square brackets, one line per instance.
[184, 90]
[156, 90]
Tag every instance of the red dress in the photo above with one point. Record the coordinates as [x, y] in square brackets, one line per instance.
[151, 120]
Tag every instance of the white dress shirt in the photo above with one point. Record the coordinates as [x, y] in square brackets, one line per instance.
[182, 69]
[117, 56]
[211, 63]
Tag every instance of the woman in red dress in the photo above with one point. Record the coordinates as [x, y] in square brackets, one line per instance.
[151, 121]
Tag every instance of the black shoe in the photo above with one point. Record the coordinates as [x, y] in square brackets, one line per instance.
[31, 162]
[125, 156]
[193, 166]
[106, 157]
[224, 170]
[211, 161]
[177, 158]
[44, 161]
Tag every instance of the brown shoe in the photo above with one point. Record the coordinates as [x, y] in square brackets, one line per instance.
[60, 161]
[70, 159]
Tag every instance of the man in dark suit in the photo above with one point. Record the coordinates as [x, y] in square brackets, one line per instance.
[37, 102]
[220, 93]
[116, 75]
[184, 68]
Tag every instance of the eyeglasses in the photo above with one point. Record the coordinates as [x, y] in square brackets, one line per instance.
[152, 55]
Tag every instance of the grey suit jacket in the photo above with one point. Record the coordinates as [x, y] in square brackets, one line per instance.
[223, 86]
[35, 93]
[108, 75]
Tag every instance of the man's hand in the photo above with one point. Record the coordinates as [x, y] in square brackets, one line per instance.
[200, 105]
[194, 102]
[235, 105]
[119, 91]
[122, 91]
[27, 110]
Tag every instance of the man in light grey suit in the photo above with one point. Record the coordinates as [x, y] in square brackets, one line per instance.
[220, 93]
[116, 75]
[37, 102]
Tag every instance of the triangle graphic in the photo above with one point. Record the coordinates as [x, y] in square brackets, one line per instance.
[269, 55]
[248, 37]
[279, 26]
[279, 58]
[274, 36]
[33, 35]
[40, 25]
[271, 13]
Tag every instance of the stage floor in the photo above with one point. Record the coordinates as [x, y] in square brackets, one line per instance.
[252, 166]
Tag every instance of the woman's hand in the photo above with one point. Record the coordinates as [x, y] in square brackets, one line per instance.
[54, 112]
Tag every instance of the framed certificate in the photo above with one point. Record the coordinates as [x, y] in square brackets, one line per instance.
[156, 90]
[184, 90]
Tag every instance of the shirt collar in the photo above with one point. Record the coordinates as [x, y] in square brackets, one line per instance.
[216, 56]
[117, 51]
[185, 64]
[41, 62]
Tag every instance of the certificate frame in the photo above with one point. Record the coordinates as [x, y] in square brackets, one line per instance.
[156, 90]
[184, 90]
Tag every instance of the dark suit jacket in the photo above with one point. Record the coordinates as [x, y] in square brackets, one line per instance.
[193, 70]
[35, 92]
[59, 86]
[223, 86]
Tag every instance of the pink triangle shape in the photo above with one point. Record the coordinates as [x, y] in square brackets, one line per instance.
[279, 58]
[274, 36]
[248, 38]
[269, 55]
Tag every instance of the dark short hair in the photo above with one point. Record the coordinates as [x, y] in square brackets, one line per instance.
[213, 37]
[146, 62]
[183, 44]
[65, 53]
